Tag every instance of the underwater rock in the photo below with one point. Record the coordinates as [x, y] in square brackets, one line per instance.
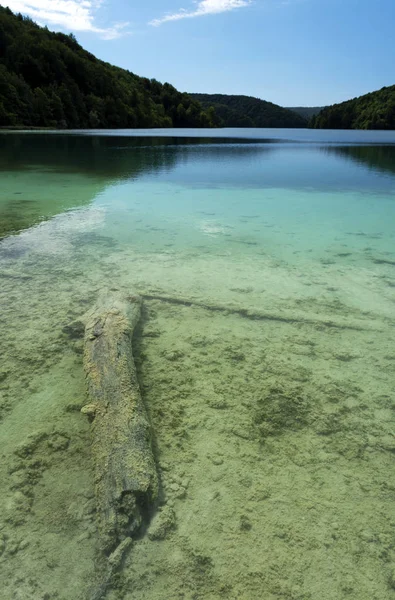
[58, 441]
[217, 403]
[383, 261]
[27, 448]
[281, 410]
[89, 410]
[116, 557]
[4, 374]
[5, 407]
[74, 330]
[125, 472]
[173, 355]
[245, 523]
[74, 406]
[163, 522]
[234, 354]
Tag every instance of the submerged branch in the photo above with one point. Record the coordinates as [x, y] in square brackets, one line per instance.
[255, 315]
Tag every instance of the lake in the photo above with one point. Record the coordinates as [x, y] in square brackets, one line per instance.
[265, 358]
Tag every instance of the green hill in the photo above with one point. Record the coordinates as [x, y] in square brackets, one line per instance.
[48, 80]
[306, 111]
[371, 111]
[246, 111]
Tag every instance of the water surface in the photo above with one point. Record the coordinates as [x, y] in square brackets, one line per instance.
[273, 414]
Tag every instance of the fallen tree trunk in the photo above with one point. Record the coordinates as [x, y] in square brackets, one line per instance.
[126, 482]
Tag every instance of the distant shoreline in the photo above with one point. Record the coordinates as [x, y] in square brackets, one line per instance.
[28, 128]
[65, 129]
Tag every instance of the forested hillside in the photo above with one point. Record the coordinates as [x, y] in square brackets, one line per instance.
[371, 111]
[48, 80]
[246, 111]
[306, 111]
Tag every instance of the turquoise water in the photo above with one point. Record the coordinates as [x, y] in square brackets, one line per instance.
[266, 262]
[284, 197]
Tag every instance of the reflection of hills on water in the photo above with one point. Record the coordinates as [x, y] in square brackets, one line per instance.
[110, 157]
[44, 174]
[105, 158]
[376, 158]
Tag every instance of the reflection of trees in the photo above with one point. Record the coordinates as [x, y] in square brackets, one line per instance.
[102, 159]
[113, 157]
[376, 158]
[85, 164]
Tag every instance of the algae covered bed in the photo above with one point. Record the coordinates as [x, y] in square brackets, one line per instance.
[265, 358]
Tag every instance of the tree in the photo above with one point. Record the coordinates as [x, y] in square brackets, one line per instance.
[48, 79]
[42, 108]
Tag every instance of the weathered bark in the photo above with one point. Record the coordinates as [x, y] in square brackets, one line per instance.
[125, 473]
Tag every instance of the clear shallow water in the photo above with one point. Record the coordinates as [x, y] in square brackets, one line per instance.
[275, 433]
[214, 193]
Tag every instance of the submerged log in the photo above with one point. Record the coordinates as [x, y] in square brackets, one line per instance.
[126, 480]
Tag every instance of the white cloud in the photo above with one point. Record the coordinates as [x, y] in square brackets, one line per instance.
[204, 7]
[76, 15]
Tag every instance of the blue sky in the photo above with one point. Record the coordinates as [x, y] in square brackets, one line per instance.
[291, 52]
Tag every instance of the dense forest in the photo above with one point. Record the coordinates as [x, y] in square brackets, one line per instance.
[306, 111]
[371, 111]
[48, 80]
[246, 111]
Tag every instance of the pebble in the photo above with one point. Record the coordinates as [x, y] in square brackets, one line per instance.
[23, 545]
[367, 536]
[174, 487]
[84, 536]
[181, 494]
[176, 479]
[13, 548]
[216, 494]
[245, 524]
